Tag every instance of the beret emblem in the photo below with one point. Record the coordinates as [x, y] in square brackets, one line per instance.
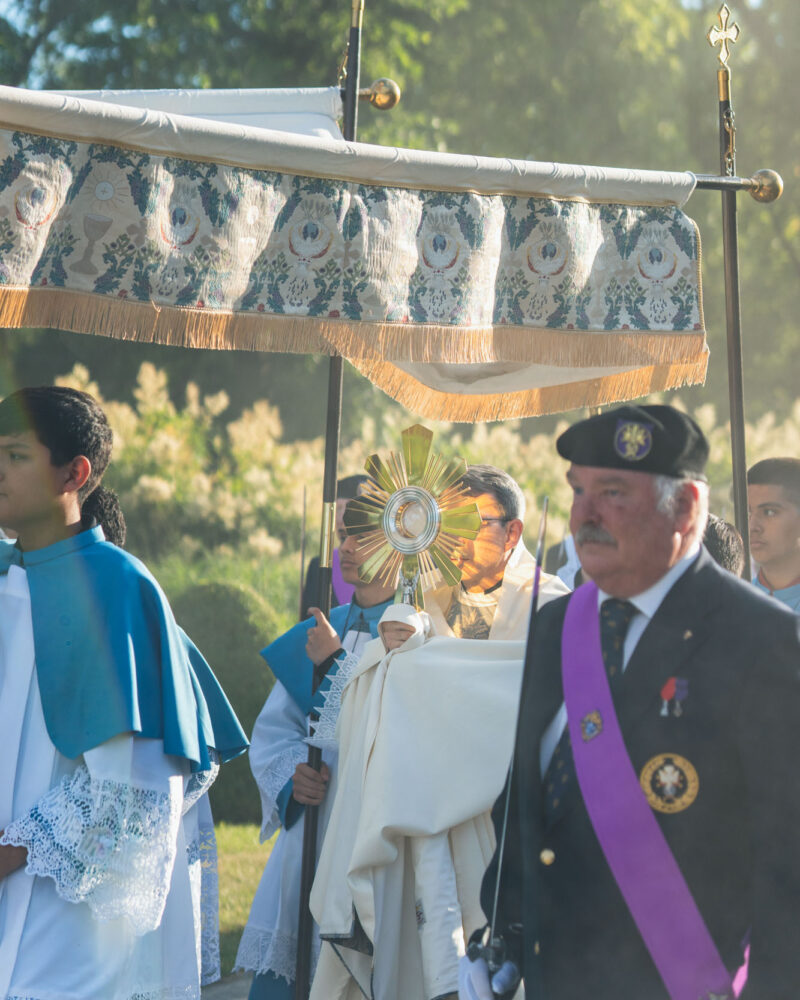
[632, 440]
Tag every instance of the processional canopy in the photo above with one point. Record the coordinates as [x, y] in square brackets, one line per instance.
[468, 288]
[412, 515]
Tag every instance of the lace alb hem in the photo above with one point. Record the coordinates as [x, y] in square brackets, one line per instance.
[200, 782]
[201, 855]
[272, 779]
[103, 843]
[267, 951]
[169, 993]
[173, 993]
[324, 735]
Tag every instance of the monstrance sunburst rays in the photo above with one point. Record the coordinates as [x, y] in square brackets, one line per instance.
[412, 515]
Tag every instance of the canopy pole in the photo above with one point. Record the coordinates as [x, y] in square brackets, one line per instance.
[302, 981]
[723, 35]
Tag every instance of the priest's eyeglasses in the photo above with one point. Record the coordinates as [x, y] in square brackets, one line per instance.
[486, 521]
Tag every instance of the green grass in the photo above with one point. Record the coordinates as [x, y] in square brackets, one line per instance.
[241, 862]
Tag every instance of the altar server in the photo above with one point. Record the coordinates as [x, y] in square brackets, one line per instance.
[286, 783]
[113, 729]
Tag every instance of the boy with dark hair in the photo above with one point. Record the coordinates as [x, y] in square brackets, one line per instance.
[773, 496]
[113, 729]
[341, 591]
[724, 544]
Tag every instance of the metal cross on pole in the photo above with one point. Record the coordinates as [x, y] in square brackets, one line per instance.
[723, 35]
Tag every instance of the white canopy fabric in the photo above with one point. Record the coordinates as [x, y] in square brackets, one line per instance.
[467, 287]
[310, 111]
[227, 141]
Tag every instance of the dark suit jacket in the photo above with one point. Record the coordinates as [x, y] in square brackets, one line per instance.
[737, 844]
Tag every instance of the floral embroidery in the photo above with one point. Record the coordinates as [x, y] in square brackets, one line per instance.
[175, 233]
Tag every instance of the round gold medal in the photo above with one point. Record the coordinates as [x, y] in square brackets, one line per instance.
[670, 783]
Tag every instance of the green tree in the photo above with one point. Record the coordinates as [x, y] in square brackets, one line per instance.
[610, 82]
[230, 623]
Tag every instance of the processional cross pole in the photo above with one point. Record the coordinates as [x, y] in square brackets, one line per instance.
[764, 186]
[724, 36]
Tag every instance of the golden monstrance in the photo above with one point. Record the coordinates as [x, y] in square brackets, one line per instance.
[412, 515]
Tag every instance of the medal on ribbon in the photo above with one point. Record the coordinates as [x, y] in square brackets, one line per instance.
[676, 690]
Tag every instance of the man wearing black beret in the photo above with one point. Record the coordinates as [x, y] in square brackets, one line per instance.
[651, 848]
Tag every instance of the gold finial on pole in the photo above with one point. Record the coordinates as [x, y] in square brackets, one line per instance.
[383, 95]
[769, 186]
[723, 35]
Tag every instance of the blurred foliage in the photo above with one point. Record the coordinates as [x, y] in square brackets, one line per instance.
[230, 622]
[207, 498]
[610, 82]
[241, 861]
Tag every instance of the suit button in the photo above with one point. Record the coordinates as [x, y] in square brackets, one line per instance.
[547, 857]
[536, 948]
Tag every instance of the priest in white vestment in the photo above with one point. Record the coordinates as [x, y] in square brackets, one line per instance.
[425, 735]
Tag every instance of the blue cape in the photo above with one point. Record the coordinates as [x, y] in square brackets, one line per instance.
[287, 659]
[111, 659]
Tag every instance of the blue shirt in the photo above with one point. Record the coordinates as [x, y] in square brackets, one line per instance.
[790, 596]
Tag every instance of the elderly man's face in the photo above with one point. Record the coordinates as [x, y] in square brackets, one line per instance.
[623, 542]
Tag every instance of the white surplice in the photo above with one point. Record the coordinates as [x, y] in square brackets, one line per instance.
[111, 903]
[425, 739]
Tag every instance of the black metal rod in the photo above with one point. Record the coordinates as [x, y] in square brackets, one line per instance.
[710, 182]
[350, 121]
[305, 924]
[733, 323]
[733, 315]
[305, 927]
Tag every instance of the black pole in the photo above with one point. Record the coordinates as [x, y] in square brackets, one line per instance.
[733, 316]
[302, 982]
[764, 185]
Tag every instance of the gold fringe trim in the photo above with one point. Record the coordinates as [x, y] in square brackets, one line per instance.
[436, 405]
[85, 312]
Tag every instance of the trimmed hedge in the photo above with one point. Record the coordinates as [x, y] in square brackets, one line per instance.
[230, 623]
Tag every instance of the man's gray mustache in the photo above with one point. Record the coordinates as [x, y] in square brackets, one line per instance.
[592, 533]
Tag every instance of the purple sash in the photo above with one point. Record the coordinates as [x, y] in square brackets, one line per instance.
[342, 590]
[637, 852]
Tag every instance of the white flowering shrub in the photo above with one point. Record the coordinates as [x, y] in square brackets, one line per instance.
[207, 498]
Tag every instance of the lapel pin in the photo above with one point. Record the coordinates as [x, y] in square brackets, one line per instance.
[688, 634]
[591, 726]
